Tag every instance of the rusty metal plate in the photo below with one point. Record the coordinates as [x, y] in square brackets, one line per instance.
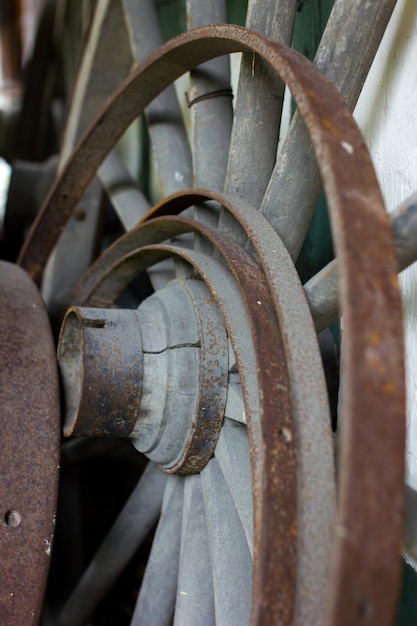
[29, 460]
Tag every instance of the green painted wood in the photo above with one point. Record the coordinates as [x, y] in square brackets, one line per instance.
[407, 612]
[311, 18]
[172, 17]
[317, 251]
[236, 11]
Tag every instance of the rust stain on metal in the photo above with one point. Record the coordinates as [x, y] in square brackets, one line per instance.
[274, 455]
[366, 562]
[362, 467]
[212, 386]
[100, 357]
[29, 462]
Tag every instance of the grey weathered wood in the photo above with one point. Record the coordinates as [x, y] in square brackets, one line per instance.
[99, 73]
[233, 457]
[323, 296]
[410, 530]
[322, 290]
[156, 600]
[345, 54]
[211, 118]
[129, 203]
[404, 231]
[195, 597]
[170, 373]
[230, 556]
[235, 408]
[258, 109]
[170, 148]
[166, 128]
[78, 243]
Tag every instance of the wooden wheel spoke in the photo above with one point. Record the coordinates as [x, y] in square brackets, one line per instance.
[195, 596]
[232, 456]
[260, 93]
[129, 203]
[210, 103]
[156, 600]
[322, 290]
[163, 115]
[231, 561]
[296, 180]
[90, 89]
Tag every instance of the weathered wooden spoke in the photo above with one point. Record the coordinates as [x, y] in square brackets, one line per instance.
[217, 377]
[195, 594]
[346, 60]
[156, 601]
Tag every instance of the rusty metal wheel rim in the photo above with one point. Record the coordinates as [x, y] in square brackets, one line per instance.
[342, 156]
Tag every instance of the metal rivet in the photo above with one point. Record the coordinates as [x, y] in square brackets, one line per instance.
[365, 610]
[13, 518]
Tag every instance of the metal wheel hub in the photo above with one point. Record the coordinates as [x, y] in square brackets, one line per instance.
[157, 374]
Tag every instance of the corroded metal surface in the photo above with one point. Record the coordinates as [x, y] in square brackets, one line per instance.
[29, 459]
[207, 419]
[100, 356]
[312, 422]
[365, 568]
[267, 401]
[174, 350]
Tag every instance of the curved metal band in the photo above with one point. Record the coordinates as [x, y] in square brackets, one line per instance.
[367, 541]
[261, 360]
[315, 476]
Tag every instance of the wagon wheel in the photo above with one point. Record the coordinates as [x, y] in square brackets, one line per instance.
[250, 363]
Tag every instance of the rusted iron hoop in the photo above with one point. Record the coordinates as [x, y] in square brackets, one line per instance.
[373, 360]
[105, 280]
[269, 415]
[29, 461]
[315, 459]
